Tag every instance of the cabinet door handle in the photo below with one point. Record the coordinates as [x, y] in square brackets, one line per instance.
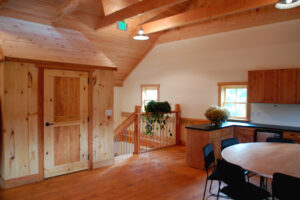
[49, 124]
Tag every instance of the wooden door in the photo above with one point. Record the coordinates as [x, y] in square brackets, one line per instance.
[256, 86]
[66, 122]
[270, 86]
[287, 86]
[298, 86]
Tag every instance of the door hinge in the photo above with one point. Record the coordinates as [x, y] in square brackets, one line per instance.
[88, 157]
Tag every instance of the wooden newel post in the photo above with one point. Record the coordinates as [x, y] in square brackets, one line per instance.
[178, 114]
[136, 135]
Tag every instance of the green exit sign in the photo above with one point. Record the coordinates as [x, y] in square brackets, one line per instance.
[122, 25]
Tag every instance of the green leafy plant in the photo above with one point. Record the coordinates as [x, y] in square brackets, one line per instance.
[217, 115]
[155, 114]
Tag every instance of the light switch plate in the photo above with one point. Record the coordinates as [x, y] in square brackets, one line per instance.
[108, 112]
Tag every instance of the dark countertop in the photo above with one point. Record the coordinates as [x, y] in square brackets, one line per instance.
[208, 127]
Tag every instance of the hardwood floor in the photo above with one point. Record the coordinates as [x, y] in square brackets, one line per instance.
[160, 174]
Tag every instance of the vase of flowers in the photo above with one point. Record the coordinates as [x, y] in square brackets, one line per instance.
[217, 115]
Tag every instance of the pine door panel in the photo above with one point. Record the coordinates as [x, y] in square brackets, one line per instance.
[66, 122]
[287, 86]
[256, 86]
[270, 86]
[66, 144]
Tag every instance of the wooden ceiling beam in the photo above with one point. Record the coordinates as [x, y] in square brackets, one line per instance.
[135, 9]
[209, 12]
[252, 18]
[69, 7]
[2, 2]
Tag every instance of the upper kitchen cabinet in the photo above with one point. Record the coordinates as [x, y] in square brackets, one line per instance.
[274, 86]
[298, 86]
[256, 86]
[287, 86]
[270, 86]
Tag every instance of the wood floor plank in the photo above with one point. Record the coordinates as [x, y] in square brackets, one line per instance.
[157, 175]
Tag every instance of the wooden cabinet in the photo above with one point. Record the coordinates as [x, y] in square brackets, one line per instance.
[215, 138]
[270, 86]
[243, 134]
[298, 86]
[197, 139]
[287, 86]
[292, 135]
[274, 86]
[256, 86]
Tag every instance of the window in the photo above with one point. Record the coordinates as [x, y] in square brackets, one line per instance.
[149, 93]
[233, 96]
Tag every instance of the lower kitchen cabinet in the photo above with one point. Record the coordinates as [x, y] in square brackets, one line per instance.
[243, 134]
[292, 135]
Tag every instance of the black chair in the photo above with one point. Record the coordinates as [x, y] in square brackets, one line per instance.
[209, 160]
[229, 142]
[261, 135]
[237, 187]
[281, 140]
[285, 187]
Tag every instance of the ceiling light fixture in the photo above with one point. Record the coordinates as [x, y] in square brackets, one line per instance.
[287, 4]
[141, 34]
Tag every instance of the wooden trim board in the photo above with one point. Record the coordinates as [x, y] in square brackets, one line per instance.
[59, 65]
[90, 126]
[6, 184]
[103, 163]
[41, 121]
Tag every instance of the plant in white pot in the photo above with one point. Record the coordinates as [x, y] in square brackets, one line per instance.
[217, 115]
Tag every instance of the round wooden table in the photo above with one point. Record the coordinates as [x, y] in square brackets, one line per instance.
[265, 158]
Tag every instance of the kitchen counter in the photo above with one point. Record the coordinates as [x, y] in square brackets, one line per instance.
[200, 135]
[209, 127]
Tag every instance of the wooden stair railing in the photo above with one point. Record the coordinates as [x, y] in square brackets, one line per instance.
[130, 136]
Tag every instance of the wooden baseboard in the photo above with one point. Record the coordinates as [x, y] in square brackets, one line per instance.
[103, 163]
[6, 184]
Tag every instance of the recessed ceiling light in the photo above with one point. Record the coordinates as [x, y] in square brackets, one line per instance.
[287, 4]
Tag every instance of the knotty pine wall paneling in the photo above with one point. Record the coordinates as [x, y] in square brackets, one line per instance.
[19, 115]
[103, 100]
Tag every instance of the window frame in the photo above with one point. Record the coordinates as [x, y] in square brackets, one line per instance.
[157, 86]
[221, 90]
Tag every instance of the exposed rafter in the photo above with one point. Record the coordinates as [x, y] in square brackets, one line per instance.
[69, 7]
[256, 17]
[2, 2]
[135, 9]
[205, 13]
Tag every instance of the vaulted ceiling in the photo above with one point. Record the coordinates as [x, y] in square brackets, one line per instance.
[163, 20]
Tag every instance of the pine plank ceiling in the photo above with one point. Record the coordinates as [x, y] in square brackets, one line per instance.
[164, 21]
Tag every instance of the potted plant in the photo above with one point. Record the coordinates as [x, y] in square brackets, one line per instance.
[155, 114]
[217, 115]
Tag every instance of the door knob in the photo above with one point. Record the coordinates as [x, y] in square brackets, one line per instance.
[49, 124]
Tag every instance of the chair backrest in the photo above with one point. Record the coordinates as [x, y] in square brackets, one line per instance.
[228, 142]
[285, 187]
[281, 140]
[261, 135]
[209, 155]
[231, 174]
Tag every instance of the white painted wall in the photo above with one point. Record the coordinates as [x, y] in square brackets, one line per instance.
[188, 70]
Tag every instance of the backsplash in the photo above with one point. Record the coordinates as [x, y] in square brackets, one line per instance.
[276, 114]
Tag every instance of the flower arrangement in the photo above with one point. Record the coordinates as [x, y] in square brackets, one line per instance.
[217, 115]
